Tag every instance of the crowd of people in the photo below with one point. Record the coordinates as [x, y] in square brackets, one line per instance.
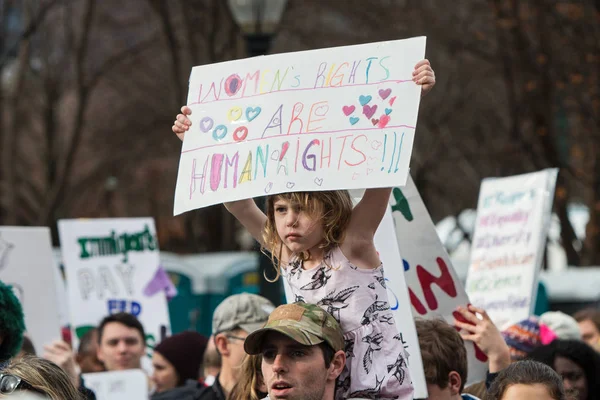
[337, 340]
[299, 351]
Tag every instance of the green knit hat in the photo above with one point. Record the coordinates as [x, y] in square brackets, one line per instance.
[12, 323]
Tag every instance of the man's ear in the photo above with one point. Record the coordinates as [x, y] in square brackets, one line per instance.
[222, 344]
[337, 365]
[454, 383]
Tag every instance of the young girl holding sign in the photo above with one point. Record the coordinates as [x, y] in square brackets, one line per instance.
[324, 247]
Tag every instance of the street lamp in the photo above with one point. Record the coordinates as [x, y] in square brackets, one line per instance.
[258, 20]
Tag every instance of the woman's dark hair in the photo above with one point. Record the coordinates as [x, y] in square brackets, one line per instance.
[527, 372]
[578, 352]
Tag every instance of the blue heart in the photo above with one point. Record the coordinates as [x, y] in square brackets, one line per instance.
[364, 100]
[388, 111]
[353, 120]
[252, 113]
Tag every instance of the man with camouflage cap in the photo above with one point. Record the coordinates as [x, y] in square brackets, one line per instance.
[302, 348]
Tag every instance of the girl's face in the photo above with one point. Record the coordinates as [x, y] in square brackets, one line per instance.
[296, 229]
[164, 376]
[530, 392]
[573, 376]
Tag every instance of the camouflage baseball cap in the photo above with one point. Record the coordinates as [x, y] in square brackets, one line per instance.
[304, 323]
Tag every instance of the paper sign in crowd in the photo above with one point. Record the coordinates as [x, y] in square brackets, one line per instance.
[434, 288]
[513, 216]
[27, 265]
[326, 119]
[118, 385]
[112, 265]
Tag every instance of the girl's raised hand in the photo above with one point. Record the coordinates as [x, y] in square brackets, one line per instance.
[423, 75]
[182, 123]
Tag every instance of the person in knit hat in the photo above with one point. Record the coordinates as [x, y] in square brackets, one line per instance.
[563, 325]
[177, 360]
[525, 336]
[12, 324]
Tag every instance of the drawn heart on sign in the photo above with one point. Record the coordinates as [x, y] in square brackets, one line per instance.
[348, 110]
[388, 111]
[375, 144]
[220, 132]
[234, 114]
[364, 100]
[384, 93]
[383, 121]
[372, 160]
[369, 170]
[268, 187]
[290, 185]
[206, 124]
[392, 100]
[318, 181]
[252, 113]
[374, 121]
[353, 120]
[369, 111]
[355, 176]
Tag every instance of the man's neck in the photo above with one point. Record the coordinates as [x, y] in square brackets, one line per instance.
[227, 378]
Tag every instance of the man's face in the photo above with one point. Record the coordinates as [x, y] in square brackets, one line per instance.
[589, 332]
[293, 371]
[121, 347]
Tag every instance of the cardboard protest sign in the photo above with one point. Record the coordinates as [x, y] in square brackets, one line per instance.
[387, 246]
[434, 288]
[513, 216]
[338, 118]
[112, 265]
[27, 264]
[118, 385]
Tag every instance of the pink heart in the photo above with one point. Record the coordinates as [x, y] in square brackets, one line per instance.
[348, 110]
[383, 121]
[392, 100]
[384, 93]
[369, 110]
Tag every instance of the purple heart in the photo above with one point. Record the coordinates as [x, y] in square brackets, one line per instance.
[369, 111]
[384, 93]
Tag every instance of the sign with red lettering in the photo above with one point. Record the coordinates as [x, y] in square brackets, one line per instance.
[513, 216]
[340, 118]
[434, 288]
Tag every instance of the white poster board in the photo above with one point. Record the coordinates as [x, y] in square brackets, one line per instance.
[118, 385]
[434, 288]
[337, 118]
[27, 264]
[111, 266]
[513, 216]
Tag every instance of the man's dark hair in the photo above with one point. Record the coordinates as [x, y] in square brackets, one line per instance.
[328, 353]
[579, 353]
[527, 372]
[443, 351]
[124, 318]
[590, 314]
[87, 341]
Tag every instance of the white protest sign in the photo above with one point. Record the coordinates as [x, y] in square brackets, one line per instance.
[387, 246]
[513, 216]
[337, 118]
[111, 266]
[434, 288]
[118, 385]
[27, 264]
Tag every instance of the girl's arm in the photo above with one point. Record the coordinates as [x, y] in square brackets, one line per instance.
[250, 216]
[358, 244]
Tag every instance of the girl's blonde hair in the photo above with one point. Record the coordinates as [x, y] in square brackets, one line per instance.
[248, 386]
[332, 208]
[45, 377]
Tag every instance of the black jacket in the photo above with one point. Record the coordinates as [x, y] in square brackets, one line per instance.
[192, 390]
